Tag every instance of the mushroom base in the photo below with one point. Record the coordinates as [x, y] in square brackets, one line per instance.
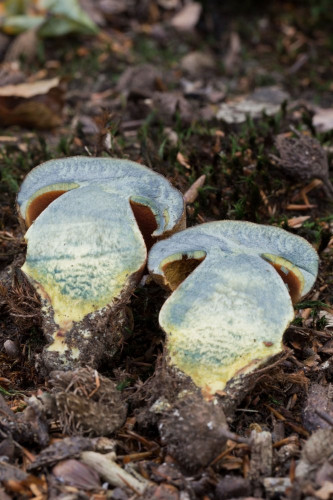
[93, 341]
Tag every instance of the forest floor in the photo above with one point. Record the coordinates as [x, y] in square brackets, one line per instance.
[168, 90]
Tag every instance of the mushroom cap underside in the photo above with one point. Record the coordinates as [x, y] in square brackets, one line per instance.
[272, 243]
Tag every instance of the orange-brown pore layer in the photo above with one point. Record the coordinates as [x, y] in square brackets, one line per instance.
[294, 284]
[143, 215]
[175, 272]
[39, 204]
[146, 222]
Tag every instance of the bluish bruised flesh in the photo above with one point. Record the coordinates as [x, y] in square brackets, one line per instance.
[85, 249]
[230, 313]
[123, 177]
[81, 265]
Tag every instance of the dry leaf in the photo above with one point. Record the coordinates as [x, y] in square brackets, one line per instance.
[298, 221]
[187, 18]
[37, 104]
[24, 45]
[76, 474]
[323, 120]
[30, 114]
[319, 397]
[183, 161]
[326, 491]
[142, 79]
[61, 449]
[197, 63]
[168, 104]
[112, 7]
[28, 90]
[266, 100]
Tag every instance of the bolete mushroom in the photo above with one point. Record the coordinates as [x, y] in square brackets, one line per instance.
[90, 222]
[234, 284]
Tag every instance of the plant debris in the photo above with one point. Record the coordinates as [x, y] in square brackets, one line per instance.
[304, 159]
[87, 403]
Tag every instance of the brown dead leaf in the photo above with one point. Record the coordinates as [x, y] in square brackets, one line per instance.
[38, 104]
[183, 161]
[167, 104]
[28, 90]
[319, 397]
[232, 486]
[24, 45]
[61, 449]
[192, 193]
[10, 472]
[323, 120]
[33, 114]
[77, 474]
[142, 80]
[94, 11]
[326, 491]
[298, 221]
[325, 473]
[197, 63]
[112, 7]
[187, 17]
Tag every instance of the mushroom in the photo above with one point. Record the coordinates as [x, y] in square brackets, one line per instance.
[90, 222]
[234, 284]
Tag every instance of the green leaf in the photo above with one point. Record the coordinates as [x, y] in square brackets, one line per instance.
[63, 17]
[16, 7]
[67, 17]
[14, 25]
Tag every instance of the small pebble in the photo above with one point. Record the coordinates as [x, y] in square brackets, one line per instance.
[11, 348]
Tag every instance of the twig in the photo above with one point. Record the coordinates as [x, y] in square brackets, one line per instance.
[325, 416]
[112, 473]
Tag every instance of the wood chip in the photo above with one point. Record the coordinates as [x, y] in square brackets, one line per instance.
[261, 454]
[192, 193]
[112, 473]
